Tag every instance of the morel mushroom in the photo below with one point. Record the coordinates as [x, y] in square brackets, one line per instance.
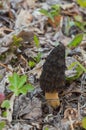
[53, 75]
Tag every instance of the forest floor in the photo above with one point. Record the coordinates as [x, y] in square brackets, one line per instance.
[29, 30]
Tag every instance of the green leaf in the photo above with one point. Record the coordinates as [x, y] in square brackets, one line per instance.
[84, 122]
[72, 65]
[17, 84]
[2, 125]
[16, 41]
[56, 7]
[82, 3]
[4, 114]
[43, 11]
[81, 66]
[48, 14]
[15, 90]
[5, 104]
[22, 81]
[79, 70]
[76, 41]
[23, 90]
[80, 25]
[12, 88]
[38, 58]
[27, 88]
[36, 40]
[14, 79]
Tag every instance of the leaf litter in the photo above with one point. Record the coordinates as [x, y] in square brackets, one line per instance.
[23, 19]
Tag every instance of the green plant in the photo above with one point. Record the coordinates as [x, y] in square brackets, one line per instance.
[78, 21]
[5, 104]
[84, 122]
[37, 58]
[2, 125]
[55, 10]
[31, 64]
[82, 3]
[79, 70]
[16, 41]
[46, 128]
[18, 84]
[76, 41]
[36, 40]
[80, 25]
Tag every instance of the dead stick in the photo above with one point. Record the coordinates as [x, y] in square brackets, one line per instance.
[1, 64]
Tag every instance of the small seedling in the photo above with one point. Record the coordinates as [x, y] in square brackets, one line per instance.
[36, 40]
[18, 84]
[46, 13]
[78, 21]
[16, 41]
[37, 58]
[79, 70]
[78, 66]
[55, 10]
[5, 104]
[80, 25]
[31, 64]
[76, 41]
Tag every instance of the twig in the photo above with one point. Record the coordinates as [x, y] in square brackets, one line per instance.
[73, 91]
[71, 124]
[79, 110]
[1, 64]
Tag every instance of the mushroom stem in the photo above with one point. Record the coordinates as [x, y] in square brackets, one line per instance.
[52, 99]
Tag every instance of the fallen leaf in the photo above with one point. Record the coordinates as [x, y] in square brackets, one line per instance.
[72, 112]
[56, 21]
[25, 17]
[67, 6]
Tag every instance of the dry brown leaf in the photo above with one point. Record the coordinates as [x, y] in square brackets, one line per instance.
[67, 6]
[56, 22]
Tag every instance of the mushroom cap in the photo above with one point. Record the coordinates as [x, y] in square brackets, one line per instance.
[53, 74]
